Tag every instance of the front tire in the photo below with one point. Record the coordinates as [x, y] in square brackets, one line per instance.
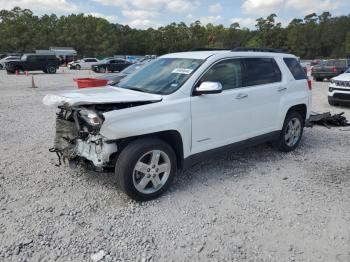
[331, 102]
[77, 67]
[145, 168]
[291, 133]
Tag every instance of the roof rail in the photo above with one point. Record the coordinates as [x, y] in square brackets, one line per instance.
[209, 49]
[256, 49]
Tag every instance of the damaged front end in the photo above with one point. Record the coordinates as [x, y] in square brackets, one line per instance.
[77, 137]
[79, 121]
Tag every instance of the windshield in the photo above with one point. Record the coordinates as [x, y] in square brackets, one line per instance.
[347, 71]
[24, 57]
[162, 76]
[131, 69]
[105, 61]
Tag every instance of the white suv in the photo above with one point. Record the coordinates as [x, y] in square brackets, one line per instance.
[180, 108]
[339, 89]
[85, 63]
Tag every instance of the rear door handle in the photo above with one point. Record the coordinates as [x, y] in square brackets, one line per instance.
[281, 88]
[241, 96]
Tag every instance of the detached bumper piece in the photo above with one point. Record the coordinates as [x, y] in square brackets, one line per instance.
[327, 119]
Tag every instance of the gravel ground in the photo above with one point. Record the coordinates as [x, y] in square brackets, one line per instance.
[255, 205]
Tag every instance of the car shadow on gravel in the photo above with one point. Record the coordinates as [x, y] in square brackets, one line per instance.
[230, 166]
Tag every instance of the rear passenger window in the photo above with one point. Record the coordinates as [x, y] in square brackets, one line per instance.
[330, 63]
[260, 71]
[295, 68]
[228, 73]
[32, 59]
[90, 60]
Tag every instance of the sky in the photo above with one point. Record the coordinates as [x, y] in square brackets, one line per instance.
[155, 13]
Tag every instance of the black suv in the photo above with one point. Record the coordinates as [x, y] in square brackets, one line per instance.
[329, 68]
[34, 62]
[111, 65]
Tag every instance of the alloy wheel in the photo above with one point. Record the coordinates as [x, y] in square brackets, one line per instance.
[151, 171]
[293, 132]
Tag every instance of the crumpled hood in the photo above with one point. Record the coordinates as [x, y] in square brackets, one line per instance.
[342, 77]
[104, 95]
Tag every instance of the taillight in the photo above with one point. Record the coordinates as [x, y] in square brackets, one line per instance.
[309, 84]
[334, 69]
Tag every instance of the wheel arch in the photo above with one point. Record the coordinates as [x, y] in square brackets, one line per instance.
[300, 108]
[171, 137]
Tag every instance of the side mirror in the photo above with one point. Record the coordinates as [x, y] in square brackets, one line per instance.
[208, 88]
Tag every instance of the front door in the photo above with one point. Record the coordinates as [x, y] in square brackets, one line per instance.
[220, 119]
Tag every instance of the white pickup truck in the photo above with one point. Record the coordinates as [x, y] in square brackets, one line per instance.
[180, 108]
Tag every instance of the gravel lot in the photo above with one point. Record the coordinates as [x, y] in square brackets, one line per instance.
[255, 205]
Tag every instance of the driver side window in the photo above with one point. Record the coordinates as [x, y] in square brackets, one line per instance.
[228, 73]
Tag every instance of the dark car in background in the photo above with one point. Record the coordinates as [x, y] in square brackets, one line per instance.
[114, 78]
[34, 62]
[329, 68]
[111, 65]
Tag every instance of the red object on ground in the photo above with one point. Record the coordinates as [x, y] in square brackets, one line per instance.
[90, 82]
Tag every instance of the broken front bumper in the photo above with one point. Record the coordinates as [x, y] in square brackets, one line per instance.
[71, 145]
[95, 149]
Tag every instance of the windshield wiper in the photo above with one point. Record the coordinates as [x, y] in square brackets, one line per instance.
[136, 89]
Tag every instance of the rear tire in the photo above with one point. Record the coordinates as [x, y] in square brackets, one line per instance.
[318, 79]
[291, 133]
[51, 70]
[145, 168]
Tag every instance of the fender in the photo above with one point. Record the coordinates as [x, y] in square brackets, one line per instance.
[150, 118]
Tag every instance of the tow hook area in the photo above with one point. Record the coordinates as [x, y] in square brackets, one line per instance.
[95, 149]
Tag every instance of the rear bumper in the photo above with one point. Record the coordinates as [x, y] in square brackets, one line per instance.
[323, 74]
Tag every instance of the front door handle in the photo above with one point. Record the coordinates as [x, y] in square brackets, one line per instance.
[281, 88]
[241, 96]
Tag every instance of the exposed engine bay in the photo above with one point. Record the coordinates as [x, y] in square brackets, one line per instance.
[77, 136]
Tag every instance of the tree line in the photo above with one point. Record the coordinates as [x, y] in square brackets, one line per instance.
[314, 36]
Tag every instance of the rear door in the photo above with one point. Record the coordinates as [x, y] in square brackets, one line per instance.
[263, 89]
[31, 63]
[329, 68]
[120, 64]
[112, 65]
[42, 62]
